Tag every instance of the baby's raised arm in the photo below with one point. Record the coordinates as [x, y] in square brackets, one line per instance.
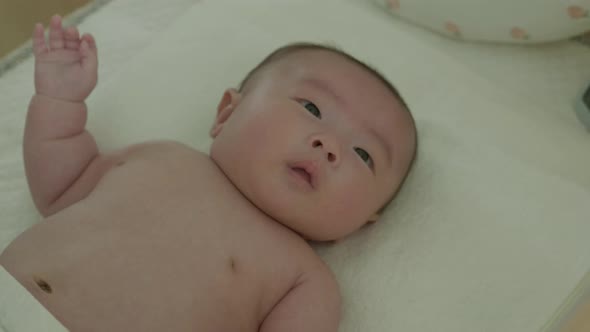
[62, 161]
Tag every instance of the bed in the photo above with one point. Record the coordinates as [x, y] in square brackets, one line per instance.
[490, 230]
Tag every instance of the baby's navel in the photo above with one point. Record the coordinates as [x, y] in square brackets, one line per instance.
[233, 265]
[43, 285]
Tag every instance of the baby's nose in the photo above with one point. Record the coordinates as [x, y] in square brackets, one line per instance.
[330, 148]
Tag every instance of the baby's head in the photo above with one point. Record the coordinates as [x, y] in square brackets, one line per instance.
[316, 139]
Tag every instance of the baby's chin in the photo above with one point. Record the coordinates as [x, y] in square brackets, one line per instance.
[303, 218]
[322, 229]
[327, 236]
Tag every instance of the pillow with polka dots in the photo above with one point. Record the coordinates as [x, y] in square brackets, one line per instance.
[522, 21]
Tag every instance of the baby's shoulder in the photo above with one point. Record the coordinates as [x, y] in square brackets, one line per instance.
[162, 150]
[317, 268]
[161, 146]
[311, 265]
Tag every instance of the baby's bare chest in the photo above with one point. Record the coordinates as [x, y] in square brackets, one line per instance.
[167, 240]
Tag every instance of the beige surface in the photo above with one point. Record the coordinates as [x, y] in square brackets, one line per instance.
[580, 321]
[17, 18]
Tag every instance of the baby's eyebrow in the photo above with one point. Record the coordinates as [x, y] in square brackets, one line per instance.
[325, 88]
[382, 145]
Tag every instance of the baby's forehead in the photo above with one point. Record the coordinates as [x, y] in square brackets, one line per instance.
[334, 71]
[312, 65]
[297, 61]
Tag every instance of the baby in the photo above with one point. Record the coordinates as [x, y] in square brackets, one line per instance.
[161, 237]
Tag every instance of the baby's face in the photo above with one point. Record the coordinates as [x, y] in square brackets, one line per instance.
[316, 142]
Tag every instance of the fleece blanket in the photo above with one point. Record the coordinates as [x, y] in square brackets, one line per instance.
[489, 233]
[19, 311]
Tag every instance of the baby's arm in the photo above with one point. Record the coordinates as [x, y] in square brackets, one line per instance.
[312, 305]
[57, 149]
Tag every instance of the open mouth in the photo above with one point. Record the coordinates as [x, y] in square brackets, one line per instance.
[305, 172]
[302, 173]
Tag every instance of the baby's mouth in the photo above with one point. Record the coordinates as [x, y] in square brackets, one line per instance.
[302, 173]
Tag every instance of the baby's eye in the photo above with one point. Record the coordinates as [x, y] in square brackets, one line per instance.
[365, 156]
[312, 108]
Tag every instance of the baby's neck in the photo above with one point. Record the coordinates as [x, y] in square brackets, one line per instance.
[250, 208]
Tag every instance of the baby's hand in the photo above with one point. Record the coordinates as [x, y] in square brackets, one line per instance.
[67, 67]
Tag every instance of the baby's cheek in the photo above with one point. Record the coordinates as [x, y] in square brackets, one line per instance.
[274, 129]
[347, 191]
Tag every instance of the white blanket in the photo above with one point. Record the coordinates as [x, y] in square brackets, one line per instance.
[490, 232]
[20, 311]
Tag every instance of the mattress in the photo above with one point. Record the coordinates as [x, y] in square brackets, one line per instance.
[490, 231]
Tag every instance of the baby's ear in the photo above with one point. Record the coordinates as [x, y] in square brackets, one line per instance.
[227, 104]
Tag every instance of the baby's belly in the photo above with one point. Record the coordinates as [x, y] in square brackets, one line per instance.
[116, 275]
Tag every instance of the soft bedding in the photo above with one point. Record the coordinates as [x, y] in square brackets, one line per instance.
[490, 232]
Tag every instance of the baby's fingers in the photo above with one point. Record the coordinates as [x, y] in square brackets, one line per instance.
[56, 34]
[88, 52]
[72, 38]
[39, 45]
[90, 40]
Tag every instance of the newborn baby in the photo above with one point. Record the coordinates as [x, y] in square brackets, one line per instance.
[161, 237]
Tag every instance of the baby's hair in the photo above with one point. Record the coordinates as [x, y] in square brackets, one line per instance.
[301, 46]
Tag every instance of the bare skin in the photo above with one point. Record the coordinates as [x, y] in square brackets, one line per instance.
[142, 239]
[161, 237]
[164, 254]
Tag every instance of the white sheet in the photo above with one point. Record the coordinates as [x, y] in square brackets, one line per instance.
[490, 232]
[20, 311]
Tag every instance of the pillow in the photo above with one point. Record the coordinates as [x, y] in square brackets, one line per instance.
[523, 21]
[487, 218]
